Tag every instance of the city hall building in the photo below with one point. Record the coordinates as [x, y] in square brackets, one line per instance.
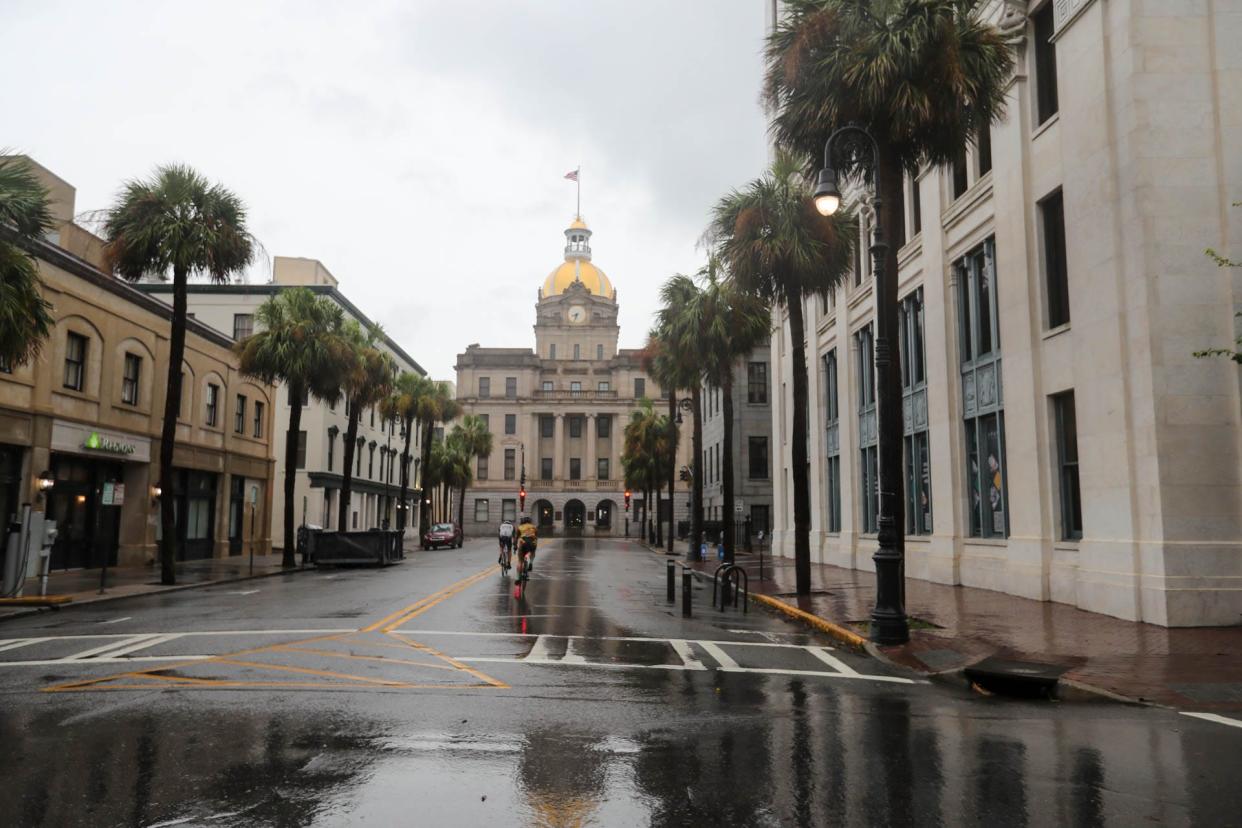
[559, 411]
[1062, 442]
[85, 418]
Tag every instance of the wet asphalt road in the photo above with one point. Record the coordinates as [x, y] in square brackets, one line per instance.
[425, 694]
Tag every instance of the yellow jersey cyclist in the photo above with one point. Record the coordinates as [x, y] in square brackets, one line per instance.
[528, 539]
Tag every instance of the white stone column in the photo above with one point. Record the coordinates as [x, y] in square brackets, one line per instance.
[558, 449]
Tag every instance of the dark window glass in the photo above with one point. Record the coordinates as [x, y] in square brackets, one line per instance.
[757, 383]
[603, 426]
[371, 461]
[1067, 455]
[487, 421]
[832, 412]
[575, 468]
[511, 387]
[640, 388]
[5, 366]
[243, 326]
[510, 424]
[300, 463]
[239, 415]
[485, 387]
[480, 510]
[575, 388]
[545, 468]
[258, 419]
[1056, 276]
[547, 385]
[977, 304]
[508, 509]
[575, 426]
[834, 493]
[552, 351]
[129, 380]
[213, 403]
[1045, 64]
[75, 361]
[547, 426]
[918, 484]
[985, 151]
[577, 351]
[601, 468]
[960, 182]
[599, 351]
[916, 207]
[985, 466]
[331, 449]
[510, 463]
[869, 490]
[758, 458]
[481, 472]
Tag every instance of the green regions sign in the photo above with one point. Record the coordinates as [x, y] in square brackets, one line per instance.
[96, 443]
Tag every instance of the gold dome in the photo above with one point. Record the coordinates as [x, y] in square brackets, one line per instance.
[578, 270]
[578, 224]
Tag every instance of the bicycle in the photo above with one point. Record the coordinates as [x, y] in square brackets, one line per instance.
[506, 560]
[523, 574]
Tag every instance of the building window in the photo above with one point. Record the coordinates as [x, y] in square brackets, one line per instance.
[508, 509]
[481, 510]
[129, 379]
[552, 351]
[545, 468]
[575, 468]
[577, 351]
[510, 424]
[75, 361]
[547, 426]
[1067, 460]
[984, 151]
[300, 461]
[757, 383]
[1045, 64]
[5, 367]
[916, 208]
[331, 447]
[916, 445]
[510, 463]
[868, 467]
[239, 415]
[575, 388]
[213, 403]
[371, 461]
[601, 468]
[575, 427]
[758, 458]
[602, 386]
[481, 473]
[510, 388]
[258, 419]
[547, 385]
[373, 418]
[243, 326]
[487, 422]
[1056, 276]
[958, 169]
[982, 392]
[603, 426]
[861, 245]
[358, 456]
[485, 387]
[640, 388]
[832, 419]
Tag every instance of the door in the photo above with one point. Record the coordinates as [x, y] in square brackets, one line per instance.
[575, 517]
[237, 512]
[10, 482]
[87, 529]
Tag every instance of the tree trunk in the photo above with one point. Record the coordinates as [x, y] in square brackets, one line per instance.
[168, 434]
[461, 511]
[798, 460]
[347, 476]
[659, 524]
[696, 500]
[405, 479]
[291, 469]
[423, 513]
[726, 391]
[672, 465]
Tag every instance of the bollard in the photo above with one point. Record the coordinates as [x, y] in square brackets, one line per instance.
[725, 591]
[686, 580]
[672, 583]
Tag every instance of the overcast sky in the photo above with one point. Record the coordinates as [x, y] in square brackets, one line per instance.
[416, 148]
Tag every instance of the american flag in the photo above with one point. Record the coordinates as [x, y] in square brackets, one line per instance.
[572, 175]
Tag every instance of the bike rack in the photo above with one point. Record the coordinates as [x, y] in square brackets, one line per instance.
[724, 567]
[732, 578]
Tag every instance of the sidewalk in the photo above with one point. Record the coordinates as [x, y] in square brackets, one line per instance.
[81, 586]
[1186, 668]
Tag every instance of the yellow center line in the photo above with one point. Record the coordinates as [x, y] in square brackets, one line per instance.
[310, 672]
[429, 601]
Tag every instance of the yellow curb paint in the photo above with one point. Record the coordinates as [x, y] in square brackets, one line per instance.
[823, 625]
[35, 600]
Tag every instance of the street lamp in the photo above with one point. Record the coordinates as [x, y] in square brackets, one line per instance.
[853, 148]
[684, 404]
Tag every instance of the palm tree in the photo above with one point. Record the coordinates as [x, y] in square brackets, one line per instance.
[178, 222]
[435, 405]
[732, 324]
[679, 329]
[924, 78]
[474, 439]
[299, 342]
[645, 449]
[402, 407]
[778, 248]
[367, 380]
[25, 316]
[662, 360]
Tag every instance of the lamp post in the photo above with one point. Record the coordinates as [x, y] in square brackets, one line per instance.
[853, 148]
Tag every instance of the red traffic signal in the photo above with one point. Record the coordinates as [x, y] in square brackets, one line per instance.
[627, 500]
[522, 499]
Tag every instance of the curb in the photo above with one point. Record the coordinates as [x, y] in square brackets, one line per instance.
[102, 599]
[838, 632]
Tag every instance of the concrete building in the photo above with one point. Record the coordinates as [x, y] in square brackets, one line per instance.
[377, 473]
[559, 411]
[752, 444]
[1062, 443]
[89, 411]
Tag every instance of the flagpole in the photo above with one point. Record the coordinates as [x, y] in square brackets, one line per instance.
[578, 181]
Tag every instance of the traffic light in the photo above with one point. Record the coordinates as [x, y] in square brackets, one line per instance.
[522, 498]
[627, 500]
[685, 473]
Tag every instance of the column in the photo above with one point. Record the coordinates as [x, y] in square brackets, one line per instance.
[588, 431]
[558, 449]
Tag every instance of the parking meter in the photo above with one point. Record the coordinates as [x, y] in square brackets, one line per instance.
[46, 542]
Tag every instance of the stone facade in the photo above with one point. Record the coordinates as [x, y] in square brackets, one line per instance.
[1079, 453]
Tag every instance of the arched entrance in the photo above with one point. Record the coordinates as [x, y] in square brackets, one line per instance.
[575, 517]
[544, 515]
[604, 512]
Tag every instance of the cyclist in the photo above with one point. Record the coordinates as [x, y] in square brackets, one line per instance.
[506, 543]
[527, 541]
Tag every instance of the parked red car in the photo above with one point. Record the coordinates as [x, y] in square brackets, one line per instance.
[442, 534]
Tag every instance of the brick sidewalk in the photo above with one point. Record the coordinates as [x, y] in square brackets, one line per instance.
[82, 585]
[1186, 668]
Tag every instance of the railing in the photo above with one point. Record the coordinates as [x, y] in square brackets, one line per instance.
[561, 484]
[569, 394]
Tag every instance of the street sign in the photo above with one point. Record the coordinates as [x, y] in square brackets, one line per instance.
[739, 507]
[118, 494]
[105, 499]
